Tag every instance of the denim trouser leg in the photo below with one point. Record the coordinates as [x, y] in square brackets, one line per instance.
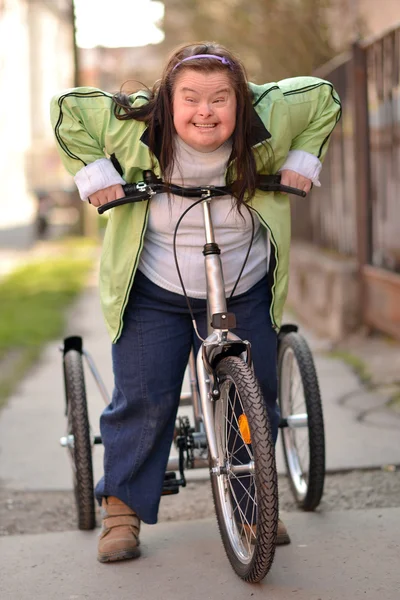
[149, 362]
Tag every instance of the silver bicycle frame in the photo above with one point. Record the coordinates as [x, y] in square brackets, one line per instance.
[216, 303]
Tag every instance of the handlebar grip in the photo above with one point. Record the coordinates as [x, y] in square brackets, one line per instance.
[132, 194]
[285, 189]
[102, 209]
[291, 190]
[272, 183]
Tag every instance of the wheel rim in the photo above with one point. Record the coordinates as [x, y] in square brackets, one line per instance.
[70, 444]
[236, 501]
[71, 450]
[295, 440]
[70, 438]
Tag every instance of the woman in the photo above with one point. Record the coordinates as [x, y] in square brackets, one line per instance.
[202, 123]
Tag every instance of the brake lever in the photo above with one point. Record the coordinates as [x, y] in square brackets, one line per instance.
[136, 192]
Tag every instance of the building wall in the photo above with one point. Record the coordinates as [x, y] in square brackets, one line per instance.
[15, 203]
[36, 60]
[109, 68]
[51, 70]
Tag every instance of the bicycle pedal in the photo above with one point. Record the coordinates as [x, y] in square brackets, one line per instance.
[171, 484]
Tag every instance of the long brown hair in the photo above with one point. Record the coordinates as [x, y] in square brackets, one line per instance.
[242, 170]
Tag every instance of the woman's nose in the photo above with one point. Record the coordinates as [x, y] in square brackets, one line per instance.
[205, 109]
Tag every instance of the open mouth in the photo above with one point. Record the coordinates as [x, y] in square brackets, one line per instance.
[205, 125]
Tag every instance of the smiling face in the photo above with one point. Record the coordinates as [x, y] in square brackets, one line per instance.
[204, 108]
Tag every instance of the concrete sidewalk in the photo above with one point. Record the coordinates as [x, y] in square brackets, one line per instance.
[334, 555]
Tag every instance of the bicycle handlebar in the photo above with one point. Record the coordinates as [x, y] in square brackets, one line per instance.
[138, 192]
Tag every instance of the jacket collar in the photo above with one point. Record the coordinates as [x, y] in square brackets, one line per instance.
[259, 133]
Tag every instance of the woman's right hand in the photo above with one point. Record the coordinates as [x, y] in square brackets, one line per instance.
[114, 192]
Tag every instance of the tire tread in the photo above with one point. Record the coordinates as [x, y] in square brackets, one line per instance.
[264, 454]
[79, 422]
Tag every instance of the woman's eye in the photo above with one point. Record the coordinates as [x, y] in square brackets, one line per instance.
[219, 100]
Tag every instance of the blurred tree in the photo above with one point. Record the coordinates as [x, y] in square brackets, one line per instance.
[274, 38]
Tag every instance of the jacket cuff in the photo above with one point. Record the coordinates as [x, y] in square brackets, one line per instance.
[305, 164]
[96, 176]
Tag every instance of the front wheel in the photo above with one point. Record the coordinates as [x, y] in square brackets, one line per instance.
[78, 433]
[244, 483]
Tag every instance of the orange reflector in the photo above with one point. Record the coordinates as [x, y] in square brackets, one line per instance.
[244, 429]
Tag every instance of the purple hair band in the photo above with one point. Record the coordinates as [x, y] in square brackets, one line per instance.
[222, 59]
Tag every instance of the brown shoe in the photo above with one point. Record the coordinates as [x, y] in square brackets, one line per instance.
[282, 536]
[119, 539]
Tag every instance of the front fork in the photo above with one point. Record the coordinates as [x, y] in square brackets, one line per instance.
[208, 385]
[207, 405]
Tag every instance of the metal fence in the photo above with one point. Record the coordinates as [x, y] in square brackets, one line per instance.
[383, 84]
[327, 217]
[331, 217]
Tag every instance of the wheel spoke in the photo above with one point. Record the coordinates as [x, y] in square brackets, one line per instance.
[227, 436]
[244, 518]
[237, 430]
[293, 395]
[246, 491]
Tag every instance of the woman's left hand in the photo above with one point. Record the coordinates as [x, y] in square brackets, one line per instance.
[295, 180]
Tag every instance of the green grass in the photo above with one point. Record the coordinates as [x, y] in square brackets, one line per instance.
[33, 303]
[394, 401]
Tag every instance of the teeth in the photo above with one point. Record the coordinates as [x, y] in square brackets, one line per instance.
[209, 126]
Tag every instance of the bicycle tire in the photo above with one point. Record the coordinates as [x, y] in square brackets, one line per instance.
[252, 558]
[81, 450]
[306, 480]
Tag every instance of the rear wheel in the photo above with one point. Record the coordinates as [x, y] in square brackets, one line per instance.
[303, 435]
[79, 440]
[244, 484]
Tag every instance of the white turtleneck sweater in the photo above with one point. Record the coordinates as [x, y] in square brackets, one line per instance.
[232, 231]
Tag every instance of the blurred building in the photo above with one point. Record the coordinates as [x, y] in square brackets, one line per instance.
[36, 59]
[110, 68]
[362, 18]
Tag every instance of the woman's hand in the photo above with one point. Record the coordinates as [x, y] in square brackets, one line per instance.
[114, 192]
[295, 180]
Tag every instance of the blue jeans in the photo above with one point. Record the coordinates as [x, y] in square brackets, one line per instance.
[149, 362]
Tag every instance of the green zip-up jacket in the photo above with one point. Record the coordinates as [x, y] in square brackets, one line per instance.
[293, 114]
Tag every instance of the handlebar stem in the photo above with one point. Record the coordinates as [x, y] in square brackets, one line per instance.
[216, 297]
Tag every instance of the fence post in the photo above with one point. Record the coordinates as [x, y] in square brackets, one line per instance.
[362, 156]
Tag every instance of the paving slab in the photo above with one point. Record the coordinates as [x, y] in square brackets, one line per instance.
[350, 555]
